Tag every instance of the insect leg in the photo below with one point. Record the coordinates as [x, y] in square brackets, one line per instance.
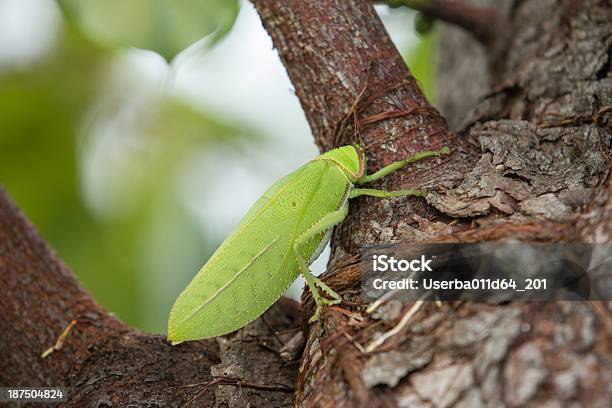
[320, 226]
[356, 192]
[385, 171]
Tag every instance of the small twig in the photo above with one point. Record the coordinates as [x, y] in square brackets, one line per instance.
[400, 326]
[236, 382]
[288, 331]
[341, 126]
[384, 298]
[276, 334]
[386, 115]
[60, 340]
[486, 23]
[374, 305]
[564, 120]
[202, 391]
[364, 100]
[352, 315]
[355, 343]
[248, 384]
[600, 113]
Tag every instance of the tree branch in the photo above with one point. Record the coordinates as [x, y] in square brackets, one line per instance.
[337, 45]
[101, 360]
[346, 72]
[355, 87]
[41, 298]
[486, 23]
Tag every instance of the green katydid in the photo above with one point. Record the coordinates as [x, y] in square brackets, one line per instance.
[284, 231]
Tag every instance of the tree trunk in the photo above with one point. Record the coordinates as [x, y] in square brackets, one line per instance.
[530, 162]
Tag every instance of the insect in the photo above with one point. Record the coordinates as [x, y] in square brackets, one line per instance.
[280, 236]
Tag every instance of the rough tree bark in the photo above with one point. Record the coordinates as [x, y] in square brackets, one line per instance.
[530, 162]
[536, 170]
[105, 363]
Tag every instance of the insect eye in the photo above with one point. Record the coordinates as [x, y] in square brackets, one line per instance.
[293, 204]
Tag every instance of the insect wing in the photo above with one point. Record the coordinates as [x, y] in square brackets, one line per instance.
[249, 271]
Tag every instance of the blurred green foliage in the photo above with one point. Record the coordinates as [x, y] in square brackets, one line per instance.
[112, 213]
[421, 59]
[166, 27]
[423, 24]
[94, 156]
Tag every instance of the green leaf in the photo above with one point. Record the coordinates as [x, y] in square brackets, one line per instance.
[166, 27]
